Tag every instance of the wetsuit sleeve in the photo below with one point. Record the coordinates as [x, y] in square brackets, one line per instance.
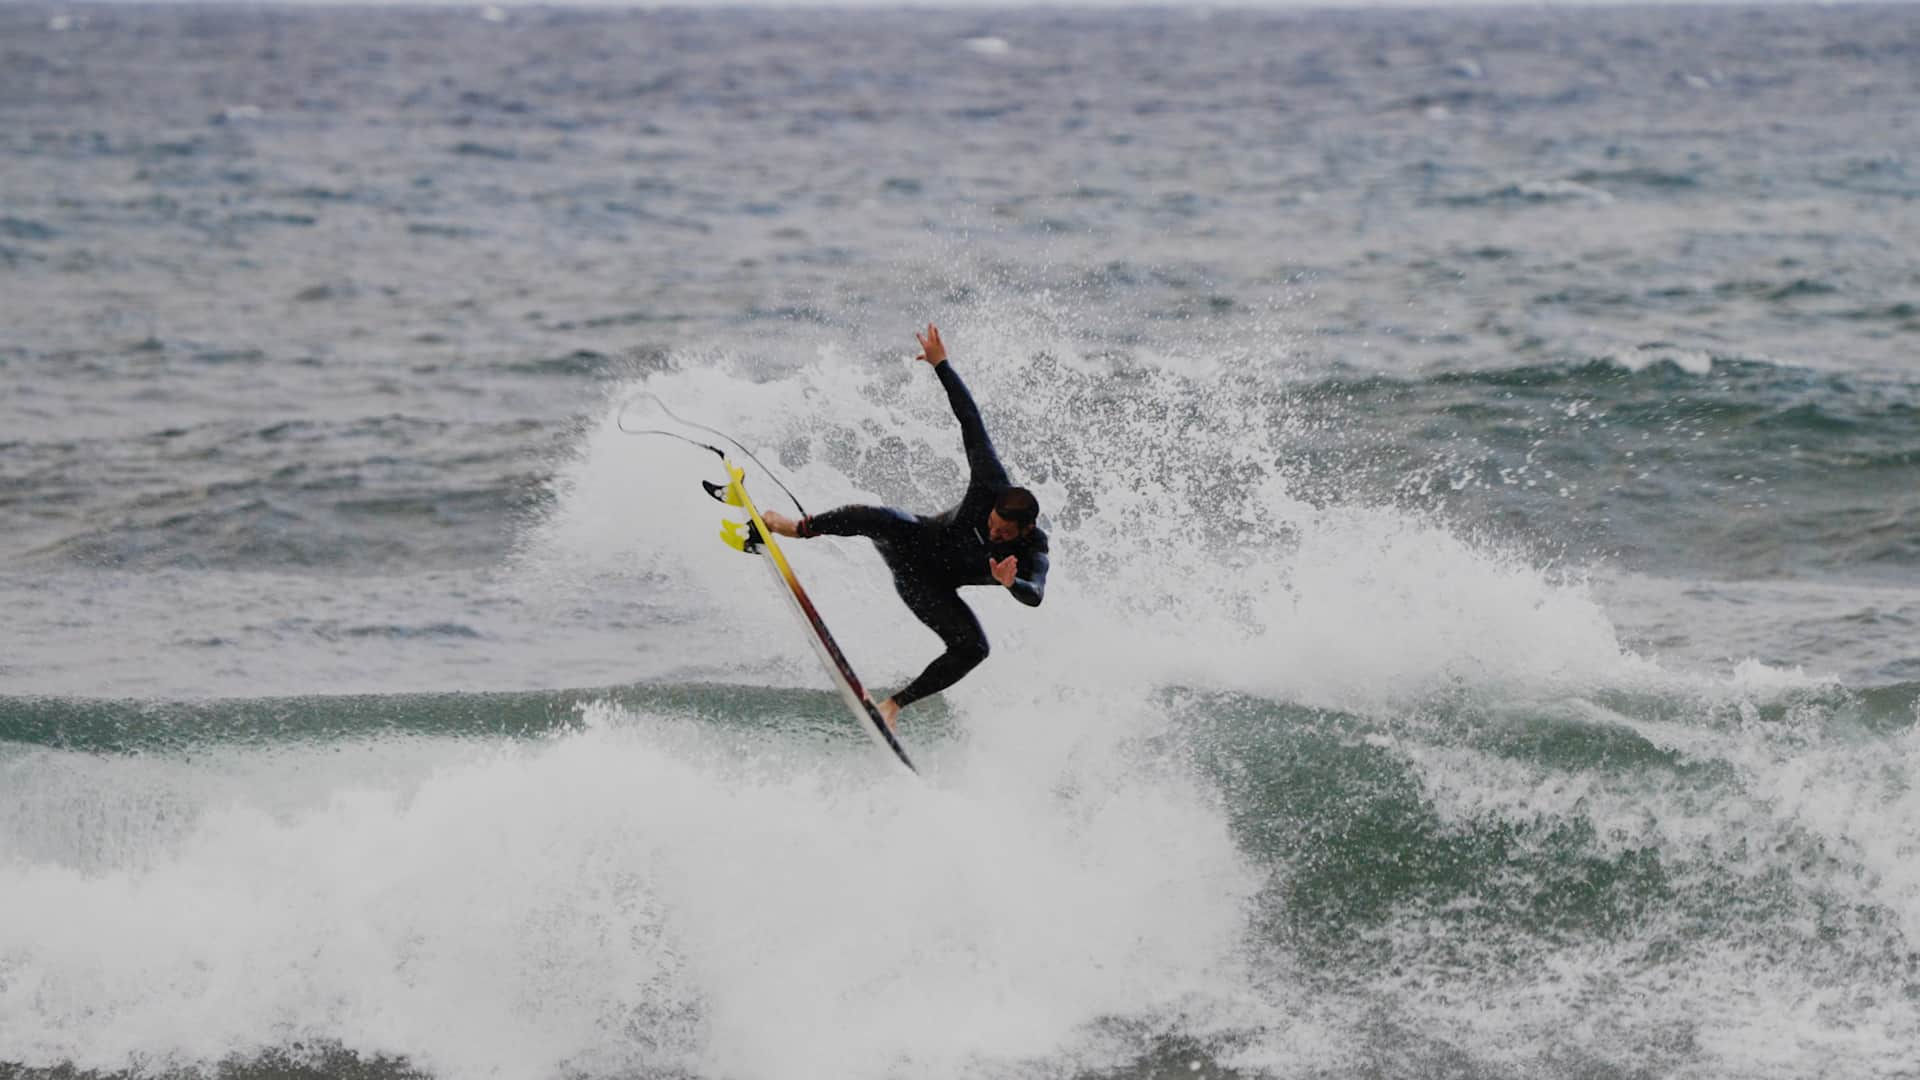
[982, 462]
[1030, 583]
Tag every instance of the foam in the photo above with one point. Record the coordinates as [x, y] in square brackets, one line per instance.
[630, 897]
[1164, 569]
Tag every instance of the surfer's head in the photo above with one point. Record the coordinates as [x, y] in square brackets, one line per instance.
[1013, 515]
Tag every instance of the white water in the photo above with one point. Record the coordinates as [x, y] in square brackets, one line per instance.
[1180, 553]
[655, 893]
[631, 896]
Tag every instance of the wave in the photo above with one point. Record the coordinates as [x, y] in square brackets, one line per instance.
[1324, 757]
[301, 526]
[1661, 457]
[607, 901]
[15, 228]
[1649, 372]
[1525, 192]
[301, 494]
[1659, 179]
[137, 726]
[1576, 739]
[694, 879]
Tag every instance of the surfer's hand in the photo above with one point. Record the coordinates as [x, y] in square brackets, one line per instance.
[780, 523]
[932, 350]
[1003, 569]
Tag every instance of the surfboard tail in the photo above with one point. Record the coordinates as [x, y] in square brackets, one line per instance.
[743, 536]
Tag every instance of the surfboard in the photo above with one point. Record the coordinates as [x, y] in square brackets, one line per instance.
[752, 537]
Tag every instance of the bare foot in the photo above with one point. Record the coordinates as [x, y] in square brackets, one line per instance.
[888, 710]
[780, 523]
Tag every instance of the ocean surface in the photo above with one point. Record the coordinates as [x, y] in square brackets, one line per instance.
[1482, 452]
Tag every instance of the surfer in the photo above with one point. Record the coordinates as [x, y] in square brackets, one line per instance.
[989, 539]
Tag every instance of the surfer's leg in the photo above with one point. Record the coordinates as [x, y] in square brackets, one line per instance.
[881, 524]
[949, 616]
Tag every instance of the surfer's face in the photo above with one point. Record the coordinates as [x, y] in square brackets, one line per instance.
[1001, 531]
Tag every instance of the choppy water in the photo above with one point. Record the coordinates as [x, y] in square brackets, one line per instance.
[1483, 452]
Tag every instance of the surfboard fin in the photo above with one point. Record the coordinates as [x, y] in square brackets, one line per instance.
[724, 493]
[733, 493]
[741, 536]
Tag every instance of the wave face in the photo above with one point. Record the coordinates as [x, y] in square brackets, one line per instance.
[1479, 449]
[711, 879]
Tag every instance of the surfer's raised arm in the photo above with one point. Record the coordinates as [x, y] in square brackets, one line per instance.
[982, 462]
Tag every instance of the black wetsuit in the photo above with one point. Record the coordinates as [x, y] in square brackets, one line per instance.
[932, 557]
